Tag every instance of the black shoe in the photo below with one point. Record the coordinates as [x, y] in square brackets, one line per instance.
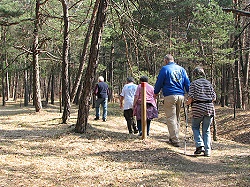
[104, 120]
[96, 118]
[175, 144]
[207, 154]
[199, 150]
[135, 131]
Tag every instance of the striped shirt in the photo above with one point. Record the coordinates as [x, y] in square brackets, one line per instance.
[201, 91]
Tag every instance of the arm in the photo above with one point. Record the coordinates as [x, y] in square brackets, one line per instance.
[186, 81]
[121, 101]
[159, 82]
[96, 89]
[135, 100]
[189, 101]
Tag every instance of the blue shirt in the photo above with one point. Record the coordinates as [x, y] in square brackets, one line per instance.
[101, 90]
[173, 80]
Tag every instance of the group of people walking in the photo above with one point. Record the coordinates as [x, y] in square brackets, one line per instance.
[177, 91]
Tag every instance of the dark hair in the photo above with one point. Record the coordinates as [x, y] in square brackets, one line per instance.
[130, 79]
[144, 79]
[199, 72]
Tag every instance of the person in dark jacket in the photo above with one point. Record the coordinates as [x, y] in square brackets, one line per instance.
[101, 92]
[201, 96]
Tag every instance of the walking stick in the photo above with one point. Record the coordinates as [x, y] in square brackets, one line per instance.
[214, 129]
[185, 139]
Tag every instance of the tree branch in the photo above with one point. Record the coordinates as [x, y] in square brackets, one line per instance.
[5, 23]
[238, 12]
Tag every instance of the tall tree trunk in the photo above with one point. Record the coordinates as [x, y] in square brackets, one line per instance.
[84, 105]
[30, 84]
[3, 59]
[7, 84]
[245, 65]
[26, 88]
[48, 89]
[65, 65]
[52, 94]
[111, 72]
[36, 77]
[3, 85]
[223, 85]
[237, 81]
[84, 52]
[15, 92]
[228, 83]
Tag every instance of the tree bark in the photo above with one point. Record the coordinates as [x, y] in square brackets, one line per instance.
[26, 88]
[111, 72]
[3, 85]
[237, 80]
[84, 52]
[223, 85]
[36, 77]
[3, 59]
[84, 104]
[52, 95]
[65, 65]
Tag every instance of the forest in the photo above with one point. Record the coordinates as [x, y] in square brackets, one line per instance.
[55, 50]
[51, 55]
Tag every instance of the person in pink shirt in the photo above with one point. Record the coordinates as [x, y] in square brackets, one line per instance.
[152, 111]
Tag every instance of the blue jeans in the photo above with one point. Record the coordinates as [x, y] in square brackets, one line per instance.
[205, 139]
[104, 103]
[139, 126]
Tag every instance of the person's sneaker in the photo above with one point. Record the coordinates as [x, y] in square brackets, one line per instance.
[104, 120]
[175, 144]
[96, 118]
[135, 131]
[199, 150]
[207, 154]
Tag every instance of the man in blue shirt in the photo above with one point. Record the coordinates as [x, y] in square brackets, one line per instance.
[174, 83]
[101, 92]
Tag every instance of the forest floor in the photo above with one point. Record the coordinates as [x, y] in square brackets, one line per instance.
[37, 150]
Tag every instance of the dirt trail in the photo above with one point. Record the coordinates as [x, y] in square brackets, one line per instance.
[36, 150]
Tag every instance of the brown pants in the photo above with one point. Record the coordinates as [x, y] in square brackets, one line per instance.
[172, 108]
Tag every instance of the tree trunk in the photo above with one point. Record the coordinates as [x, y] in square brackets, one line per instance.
[36, 77]
[7, 83]
[238, 91]
[15, 93]
[3, 36]
[65, 65]
[48, 89]
[52, 95]
[3, 85]
[223, 85]
[84, 105]
[26, 88]
[84, 52]
[245, 65]
[111, 72]
[30, 84]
